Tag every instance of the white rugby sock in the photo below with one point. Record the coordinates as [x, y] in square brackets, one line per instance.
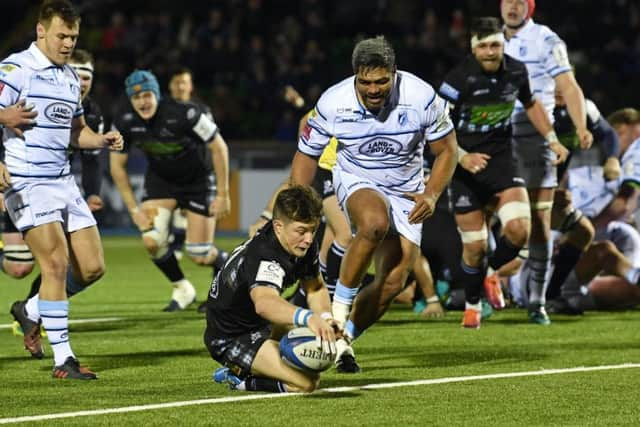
[183, 292]
[33, 312]
[539, 263]
[55, 320]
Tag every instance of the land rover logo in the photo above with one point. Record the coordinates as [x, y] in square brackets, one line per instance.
[59, 112]
[380, 147]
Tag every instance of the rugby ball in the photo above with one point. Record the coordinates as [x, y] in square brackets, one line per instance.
[298, 349]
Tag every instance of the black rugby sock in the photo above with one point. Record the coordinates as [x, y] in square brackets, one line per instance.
[473, 278]
[35, 286]
[567, 258]
[252, 383]
[505, 251]
[169, 266]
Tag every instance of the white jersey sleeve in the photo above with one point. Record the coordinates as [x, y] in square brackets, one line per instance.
[318, 131]
[11, 82]
[631, 164]
[437, 121]
[589, 191]
[555, 56]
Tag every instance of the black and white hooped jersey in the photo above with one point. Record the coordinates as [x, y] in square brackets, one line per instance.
[174, 140]
[260, 261]
[387, 148]
[483, 102]
[54, 90]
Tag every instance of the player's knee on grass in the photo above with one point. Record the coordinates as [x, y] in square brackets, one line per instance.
[308, 385]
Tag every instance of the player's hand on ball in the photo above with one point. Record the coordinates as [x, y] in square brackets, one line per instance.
[325, 335]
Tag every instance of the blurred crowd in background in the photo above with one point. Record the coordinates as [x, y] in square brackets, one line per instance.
[243, 53]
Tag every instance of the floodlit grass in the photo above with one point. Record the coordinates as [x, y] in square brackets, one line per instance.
[151, 357]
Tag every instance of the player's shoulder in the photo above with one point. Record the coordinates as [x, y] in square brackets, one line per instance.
[70, 72]
[126, 118]
[89, 104]
[262, 248]
[14, 66]
[542, 34]
[186, 110]
[415, 90]
[514, 65]
[336, 97]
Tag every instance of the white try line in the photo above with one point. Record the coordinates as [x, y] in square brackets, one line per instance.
[77, 321]
[138, 408]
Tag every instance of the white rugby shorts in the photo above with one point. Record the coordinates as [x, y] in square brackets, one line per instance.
[36, 201]
[346, 184]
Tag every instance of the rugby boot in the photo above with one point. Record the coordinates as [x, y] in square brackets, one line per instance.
[493, 291]
[182, 296]
[225, 376]
[538, 315]
[346, 364]
[31, 330]
[71, 370]
[471, 318]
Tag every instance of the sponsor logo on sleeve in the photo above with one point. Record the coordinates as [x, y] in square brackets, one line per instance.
[270, 272]
[7, 68]
[560, 55]
[449, 91]
[306, 132]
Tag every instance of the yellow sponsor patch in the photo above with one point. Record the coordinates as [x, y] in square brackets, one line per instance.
[7, 68]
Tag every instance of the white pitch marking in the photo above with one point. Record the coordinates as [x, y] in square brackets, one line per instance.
[149, 407]
[78, 321]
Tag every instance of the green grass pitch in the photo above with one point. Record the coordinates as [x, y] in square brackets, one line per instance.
[149, 357]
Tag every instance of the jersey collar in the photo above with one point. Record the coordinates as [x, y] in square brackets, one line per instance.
[388, 107]
[524, 29]
[42, 62]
